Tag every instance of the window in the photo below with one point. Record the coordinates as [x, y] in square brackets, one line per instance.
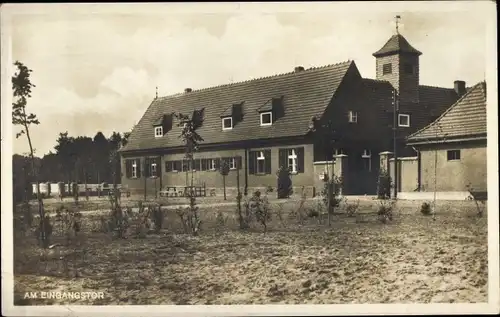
[292, 161]
[367, 160]
[211, 165]
[338, 152]
[134, 169]
[173, 166]
[404, 120]
[408, 69]
[227, 123]
[261, 163]
[453, 155]
[158, 132]
[353, 116]
[152, 171]
[387, 69]
[232, 163]
[266, 118]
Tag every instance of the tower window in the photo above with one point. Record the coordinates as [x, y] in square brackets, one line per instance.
[387, 69]
[353, 117]
[408, 68]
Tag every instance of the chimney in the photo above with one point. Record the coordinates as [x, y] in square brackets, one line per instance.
[299, 69]
[188, 90]
[459, 86]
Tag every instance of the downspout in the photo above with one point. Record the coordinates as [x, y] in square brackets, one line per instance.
[419, 169]
[245, 191]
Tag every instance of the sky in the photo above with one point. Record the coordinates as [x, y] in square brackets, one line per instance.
[97, 70]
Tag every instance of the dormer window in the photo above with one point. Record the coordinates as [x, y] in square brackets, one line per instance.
[266, 118]
[353, 117]
[227, 123]
[404, 120]
[158, 132]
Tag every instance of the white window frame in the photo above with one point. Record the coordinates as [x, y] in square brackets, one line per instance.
[134, 169]
[353, 116]
[402, 115]
[153, 170]
[210, 164]
[260, 157]
[292, 155]
[227, 128]
[455, 159]
[262, 124]
[232, 163]
[367, 155]
[158, 132]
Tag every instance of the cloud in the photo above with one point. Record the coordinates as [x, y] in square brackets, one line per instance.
[99, 72]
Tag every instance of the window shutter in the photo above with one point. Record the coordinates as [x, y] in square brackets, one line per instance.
[158, 166]
[283, 158]
[197, 164]
[128, 168]
[204, 164]
[138, 164]
[169, 166]
[177, 166]
[147, 167]
[238, 162]
[217, 163]
[300, 159]
[252, 162]
[267, 156]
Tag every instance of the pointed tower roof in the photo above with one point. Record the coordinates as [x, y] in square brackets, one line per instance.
[397, 44]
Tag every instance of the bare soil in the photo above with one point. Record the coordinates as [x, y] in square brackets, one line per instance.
[411, 259]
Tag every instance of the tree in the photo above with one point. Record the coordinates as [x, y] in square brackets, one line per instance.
[67, 155]
[100, 149]
[21, 86]
[224, 171]
[328, 135]
[191, 139]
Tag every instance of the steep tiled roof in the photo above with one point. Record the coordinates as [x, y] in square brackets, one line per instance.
[305, 94]
[465, 118]
[396, 44]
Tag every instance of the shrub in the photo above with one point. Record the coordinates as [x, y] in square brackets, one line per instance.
[352, 209]
[284, 183]
[425, 209]
[259, 206]
[220, 219]
[336, 183]
[385, 210]
[384, 185]
[47, 225]
[312, 213]
[158, 217]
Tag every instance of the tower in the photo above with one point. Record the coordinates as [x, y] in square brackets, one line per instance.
[398, 63]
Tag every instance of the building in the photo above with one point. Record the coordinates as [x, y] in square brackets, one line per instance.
[452, 149]
[261, 124]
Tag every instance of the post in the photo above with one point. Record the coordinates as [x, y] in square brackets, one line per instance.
[395, 136]
[224, 184]
[145, 178]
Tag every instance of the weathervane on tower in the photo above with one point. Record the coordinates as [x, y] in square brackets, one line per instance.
[398, 17]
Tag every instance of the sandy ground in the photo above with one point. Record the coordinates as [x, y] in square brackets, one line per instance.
[412, 259]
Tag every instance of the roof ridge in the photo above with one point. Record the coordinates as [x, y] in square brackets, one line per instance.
[258, 78]
[436, 87]
[448, 110]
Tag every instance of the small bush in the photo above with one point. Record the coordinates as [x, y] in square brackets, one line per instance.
[351, 209]
[158, 217]
[284, 182]
[259, 207]
[425, 209]
[47, 225]
[384, 185]
[220, 219]
[385, 210]
[331, 194]
[312, 213]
